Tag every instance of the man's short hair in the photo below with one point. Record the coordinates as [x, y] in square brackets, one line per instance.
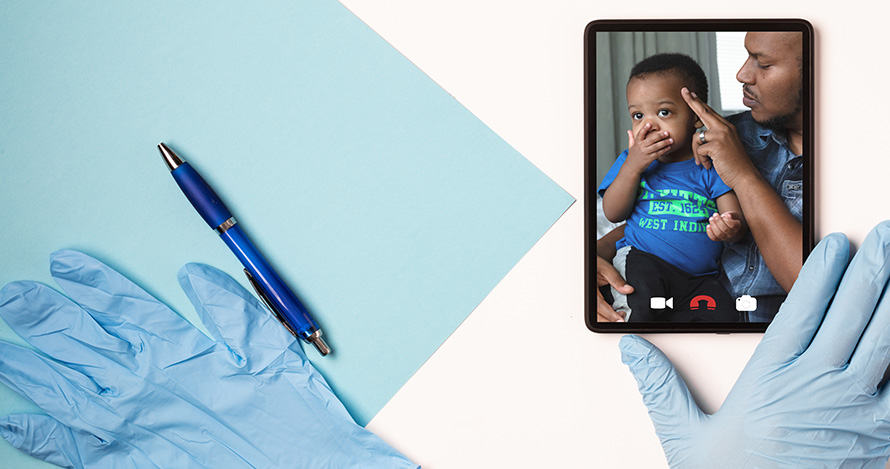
[681, 64]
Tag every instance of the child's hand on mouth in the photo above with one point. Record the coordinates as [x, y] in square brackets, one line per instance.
[646, 146]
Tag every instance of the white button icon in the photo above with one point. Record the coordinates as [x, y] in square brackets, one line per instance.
[745, 303]
[659, 302]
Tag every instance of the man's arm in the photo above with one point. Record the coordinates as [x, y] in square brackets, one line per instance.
[778, 235]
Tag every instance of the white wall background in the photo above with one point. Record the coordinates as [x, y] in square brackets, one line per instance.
[522, 383]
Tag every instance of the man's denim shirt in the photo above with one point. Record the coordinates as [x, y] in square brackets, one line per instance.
[783, 170]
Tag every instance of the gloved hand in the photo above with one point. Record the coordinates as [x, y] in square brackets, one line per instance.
[812, 394]
[126, 382]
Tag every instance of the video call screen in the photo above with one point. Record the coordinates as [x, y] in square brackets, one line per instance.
[699, 174]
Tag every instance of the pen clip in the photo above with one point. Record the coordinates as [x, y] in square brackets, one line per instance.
[265, 298]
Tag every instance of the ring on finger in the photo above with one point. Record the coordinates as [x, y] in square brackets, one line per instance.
[701, 137]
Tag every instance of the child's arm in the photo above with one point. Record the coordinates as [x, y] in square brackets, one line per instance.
[729, 225]
[621, 195]
[619, 198]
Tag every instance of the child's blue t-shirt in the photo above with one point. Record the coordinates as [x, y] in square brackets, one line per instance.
[671, 213]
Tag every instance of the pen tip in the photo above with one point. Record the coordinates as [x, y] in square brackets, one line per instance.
[173, 161]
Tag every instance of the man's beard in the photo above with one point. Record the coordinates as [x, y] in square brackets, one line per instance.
[781, 122]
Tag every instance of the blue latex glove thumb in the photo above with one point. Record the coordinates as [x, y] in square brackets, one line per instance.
[126, 382]
[812, 394]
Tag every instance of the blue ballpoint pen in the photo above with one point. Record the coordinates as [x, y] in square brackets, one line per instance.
[269, 286]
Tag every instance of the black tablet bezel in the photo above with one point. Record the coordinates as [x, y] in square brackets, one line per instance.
[797, 25]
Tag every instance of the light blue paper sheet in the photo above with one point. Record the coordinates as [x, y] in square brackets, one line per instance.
[387, 205]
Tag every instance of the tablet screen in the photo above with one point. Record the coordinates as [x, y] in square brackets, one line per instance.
[699, 174]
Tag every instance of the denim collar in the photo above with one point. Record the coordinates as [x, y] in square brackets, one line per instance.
[779, 137]
[759, 137]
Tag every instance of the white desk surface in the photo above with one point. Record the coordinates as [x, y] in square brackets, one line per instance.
[522, 383]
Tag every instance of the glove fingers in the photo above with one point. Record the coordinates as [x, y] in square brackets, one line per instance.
[671, 407]
[794, 327]
[855, 300]
[60, 328]
[115, 299]
[125, 310]
[872, 355]
[233, 315]
[44, 438]
[55, 388]
[89, 409]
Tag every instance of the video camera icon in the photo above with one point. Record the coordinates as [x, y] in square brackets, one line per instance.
[660, 302]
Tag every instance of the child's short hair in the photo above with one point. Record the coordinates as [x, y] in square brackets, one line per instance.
[688, 69]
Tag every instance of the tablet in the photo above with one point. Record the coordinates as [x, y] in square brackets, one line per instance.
[698, 171]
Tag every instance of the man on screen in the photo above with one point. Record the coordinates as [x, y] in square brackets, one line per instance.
[758, 153]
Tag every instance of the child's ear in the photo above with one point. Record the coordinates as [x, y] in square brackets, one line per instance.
[698, 123]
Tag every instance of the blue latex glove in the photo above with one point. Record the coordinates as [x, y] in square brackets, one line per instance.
[126, 382]
[812, 394]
